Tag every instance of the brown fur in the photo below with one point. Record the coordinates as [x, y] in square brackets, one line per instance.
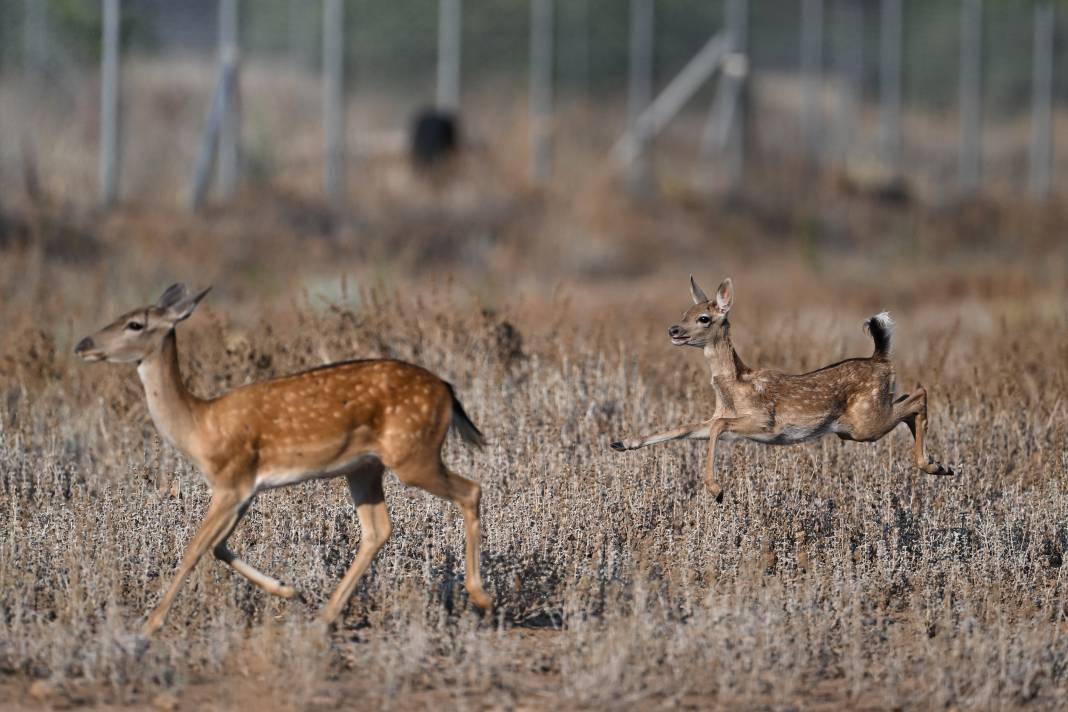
[349, 419]
[854, 399]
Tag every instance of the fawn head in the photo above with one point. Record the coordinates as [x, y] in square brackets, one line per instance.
[138, 333]
[706, 320]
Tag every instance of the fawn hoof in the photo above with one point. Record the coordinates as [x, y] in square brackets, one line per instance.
[618, 446]
[716, 491]
[481, 599]
[286, 591]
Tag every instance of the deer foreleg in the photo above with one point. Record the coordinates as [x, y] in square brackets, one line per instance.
[714, 431]
[222, 515]
[695, 431]
[222, 553]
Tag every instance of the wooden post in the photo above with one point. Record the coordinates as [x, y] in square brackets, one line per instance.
[109, 104]
[971, 48]
[230, 129]
[450, 14]
[1041, 178]
[812, 78]
[640, 92]
[890, 86]
[541, 89]
[334, 97]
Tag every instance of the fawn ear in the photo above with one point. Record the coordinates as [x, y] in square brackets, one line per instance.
[725, 295]
[183, 308]
[173, 294]
[696, 292]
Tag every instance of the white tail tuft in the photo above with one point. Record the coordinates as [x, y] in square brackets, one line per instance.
[881, 328]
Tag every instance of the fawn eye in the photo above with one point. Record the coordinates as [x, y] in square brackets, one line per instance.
[134, 326]
[703, 319]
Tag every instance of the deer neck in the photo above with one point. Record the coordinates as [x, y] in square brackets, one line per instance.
[723, 360]
[172, 407]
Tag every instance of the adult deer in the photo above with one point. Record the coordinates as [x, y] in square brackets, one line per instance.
[351, 419]
[854, 399]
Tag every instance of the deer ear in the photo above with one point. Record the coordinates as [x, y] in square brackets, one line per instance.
[725, 295]
[184, 308]
[696, 292]
[173, 294]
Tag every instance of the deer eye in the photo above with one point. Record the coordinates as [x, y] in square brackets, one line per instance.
[134, 326]
[703, 319]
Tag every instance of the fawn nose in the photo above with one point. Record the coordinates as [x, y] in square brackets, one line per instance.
[83, 345]
[675, 331]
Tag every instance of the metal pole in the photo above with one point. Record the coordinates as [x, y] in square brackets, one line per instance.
[541, 89]
[737, 21]
[642, 32]
[811, 77]
[971, 47]
[849, 56]
[449, 51]
[229, 136]
[334, 97]
[890, 86]
[34, 38]
[1041, 103]
[109, 104]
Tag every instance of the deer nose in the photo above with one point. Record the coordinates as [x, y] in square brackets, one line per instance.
[675, 331]
[83, 345]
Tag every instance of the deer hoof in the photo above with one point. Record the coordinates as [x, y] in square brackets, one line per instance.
[618, 446]
[716, 491]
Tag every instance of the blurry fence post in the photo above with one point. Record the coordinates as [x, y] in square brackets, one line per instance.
[230, 128]
[737, 73]
[971, 47]
[849, 58]
[334, 97]
[450, 17]
[725, 130]
[34, 37]
[109, 104]
[1041, 158]
[812, 79]
[890, 86]
[541, 89]
[640, 87]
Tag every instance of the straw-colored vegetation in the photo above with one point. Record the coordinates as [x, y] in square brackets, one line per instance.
[831, 575]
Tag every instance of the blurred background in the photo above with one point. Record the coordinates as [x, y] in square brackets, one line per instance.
[520, 148]
[111, 103]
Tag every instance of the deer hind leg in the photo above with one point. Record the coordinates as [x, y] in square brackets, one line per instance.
[437, 479]
[223, 553]
[222, 515]
[365, 486]
[912, 409]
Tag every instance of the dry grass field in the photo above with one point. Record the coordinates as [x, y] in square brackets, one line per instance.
[831, 575]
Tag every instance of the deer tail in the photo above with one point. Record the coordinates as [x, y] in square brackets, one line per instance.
[463, 424]
[881, 328]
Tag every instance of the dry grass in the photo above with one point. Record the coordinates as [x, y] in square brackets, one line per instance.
[832, 575]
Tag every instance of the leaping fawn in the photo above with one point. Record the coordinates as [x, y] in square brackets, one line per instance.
[351, 419]
[854, 399]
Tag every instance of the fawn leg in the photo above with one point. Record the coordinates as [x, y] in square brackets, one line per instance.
[223, 553]
[913, 411]
[434, 477]
[221, 517]
[365, 486]
[694, 431]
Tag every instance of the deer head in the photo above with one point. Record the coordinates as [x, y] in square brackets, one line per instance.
[705, 321]
[137, 334]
